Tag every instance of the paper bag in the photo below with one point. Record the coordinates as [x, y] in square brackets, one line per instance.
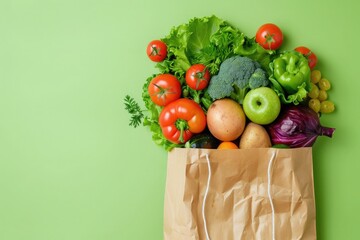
[239, 194]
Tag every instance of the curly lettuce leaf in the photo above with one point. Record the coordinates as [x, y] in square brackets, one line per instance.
[202, 29]
[221, 47]
[201, 40]
[208, 40]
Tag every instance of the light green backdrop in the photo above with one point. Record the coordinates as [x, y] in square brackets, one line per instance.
[72, 169]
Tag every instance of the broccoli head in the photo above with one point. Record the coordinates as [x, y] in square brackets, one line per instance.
[237, 75]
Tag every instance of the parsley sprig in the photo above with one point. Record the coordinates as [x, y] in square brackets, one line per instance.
[135, 111]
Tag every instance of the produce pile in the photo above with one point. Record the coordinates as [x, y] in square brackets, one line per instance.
[217, 88]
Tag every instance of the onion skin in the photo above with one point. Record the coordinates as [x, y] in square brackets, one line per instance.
[297, 126]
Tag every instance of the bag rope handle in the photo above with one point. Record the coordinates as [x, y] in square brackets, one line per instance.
[205, 197]
[270, 197]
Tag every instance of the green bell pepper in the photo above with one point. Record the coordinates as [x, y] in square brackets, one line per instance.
[290, 77]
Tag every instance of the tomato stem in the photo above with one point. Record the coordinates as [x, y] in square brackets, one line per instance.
[307, 55]
[154, 51]
[200, 76]
[269, 39]
[162, 92]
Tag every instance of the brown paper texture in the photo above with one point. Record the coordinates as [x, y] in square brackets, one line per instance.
[237, 204]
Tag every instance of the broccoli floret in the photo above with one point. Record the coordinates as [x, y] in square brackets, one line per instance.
[258, 79]
[237, 75]
[219, 88]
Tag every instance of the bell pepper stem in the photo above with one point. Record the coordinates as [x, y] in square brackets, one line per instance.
[291, 67]
[181, 125]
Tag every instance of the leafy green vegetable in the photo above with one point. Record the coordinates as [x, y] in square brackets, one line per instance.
[208, 40]
[236, 77]
[201, 30]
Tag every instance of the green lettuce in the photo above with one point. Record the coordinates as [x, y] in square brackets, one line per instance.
[208, 40]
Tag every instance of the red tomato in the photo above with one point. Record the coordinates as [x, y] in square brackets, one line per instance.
[197, 77]
[164, 88]
[181, 119]
[156, 50]
[269, 36]
[311, 57]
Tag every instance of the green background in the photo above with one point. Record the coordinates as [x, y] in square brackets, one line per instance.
[70, 166]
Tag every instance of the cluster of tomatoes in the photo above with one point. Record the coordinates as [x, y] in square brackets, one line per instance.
[180, 117]
[166, 88]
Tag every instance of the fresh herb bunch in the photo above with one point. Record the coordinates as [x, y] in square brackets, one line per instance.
[134, 110]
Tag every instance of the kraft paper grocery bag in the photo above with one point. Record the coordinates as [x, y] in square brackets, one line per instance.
[240, 194]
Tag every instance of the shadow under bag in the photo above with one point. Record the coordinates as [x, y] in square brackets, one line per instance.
[242, 194]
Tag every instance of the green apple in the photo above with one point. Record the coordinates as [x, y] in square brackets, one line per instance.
[262, 105]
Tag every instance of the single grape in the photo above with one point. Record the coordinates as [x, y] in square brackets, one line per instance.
[314, 92]
[324, 84]
[327, 107]
[315, 76]
[322, 95]
[314, 104]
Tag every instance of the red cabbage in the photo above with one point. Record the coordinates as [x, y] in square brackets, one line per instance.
[297, 126]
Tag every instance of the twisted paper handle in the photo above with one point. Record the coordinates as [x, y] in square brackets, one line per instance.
[205, 196]
[269, 195]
